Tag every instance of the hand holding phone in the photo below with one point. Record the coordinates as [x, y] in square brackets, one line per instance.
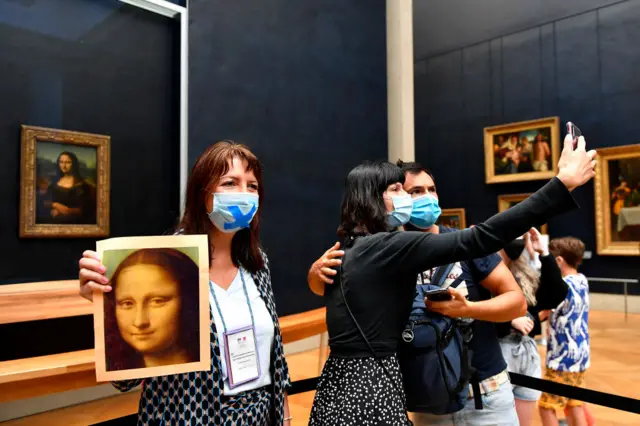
[575, 133]
[439, 295]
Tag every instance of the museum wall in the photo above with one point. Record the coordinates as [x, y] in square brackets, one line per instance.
[304, 85]
[581, 69]
[91, 66]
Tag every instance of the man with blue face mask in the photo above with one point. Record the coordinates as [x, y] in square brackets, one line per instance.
[482, 289]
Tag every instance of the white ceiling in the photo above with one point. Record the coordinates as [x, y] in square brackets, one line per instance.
[442, 25]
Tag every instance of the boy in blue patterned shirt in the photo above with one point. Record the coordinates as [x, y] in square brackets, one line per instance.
[568, 344]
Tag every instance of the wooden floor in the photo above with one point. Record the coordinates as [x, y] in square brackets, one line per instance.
[615, 368]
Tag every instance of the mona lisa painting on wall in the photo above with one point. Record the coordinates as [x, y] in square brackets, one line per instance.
[155, 319]
[64, 183]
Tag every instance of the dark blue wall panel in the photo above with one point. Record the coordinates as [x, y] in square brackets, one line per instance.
[619, 30]
[304, 85]
[521, 63]
[495, 55]
[442, 80]
[582, 69]
[476, 71]
[548, 80]
[577, 59]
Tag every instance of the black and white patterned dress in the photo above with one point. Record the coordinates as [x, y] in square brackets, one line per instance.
[357, 391]
[197, 398]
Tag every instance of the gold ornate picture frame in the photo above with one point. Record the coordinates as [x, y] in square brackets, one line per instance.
[523, 151]
[505, 202]
[617, 201]
[453, 218]
[64, 183]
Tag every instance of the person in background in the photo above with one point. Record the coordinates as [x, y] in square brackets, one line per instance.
[526, 154]
[541, 154]
[619, 196]
[223, 202]
[568, 353]
[367, 310]
[493, 296]
[543, 290]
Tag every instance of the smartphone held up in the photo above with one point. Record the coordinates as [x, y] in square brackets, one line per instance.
[575, 133]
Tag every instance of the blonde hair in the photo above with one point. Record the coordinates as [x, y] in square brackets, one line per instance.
[528, 278]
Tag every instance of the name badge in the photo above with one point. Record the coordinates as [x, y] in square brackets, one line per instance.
[241, 353]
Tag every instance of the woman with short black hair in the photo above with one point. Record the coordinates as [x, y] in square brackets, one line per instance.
[368, 308]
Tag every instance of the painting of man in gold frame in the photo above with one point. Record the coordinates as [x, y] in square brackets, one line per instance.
[505, 202]
[453, 218]
[523, 151]
[617, 201]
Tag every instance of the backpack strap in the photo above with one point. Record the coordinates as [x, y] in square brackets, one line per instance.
[442, 272]
[468, 374]
[477, 396]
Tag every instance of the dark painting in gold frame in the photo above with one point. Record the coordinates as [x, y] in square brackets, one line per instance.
[453, 218]
[617, 201]
[64, 183]
[505, 202]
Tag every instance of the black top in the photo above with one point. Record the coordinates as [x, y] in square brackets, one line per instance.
[551, 292]
[487, 357]
[379, 271]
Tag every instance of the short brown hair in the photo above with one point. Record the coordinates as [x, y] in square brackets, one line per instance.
[210, 166]
[571, 249]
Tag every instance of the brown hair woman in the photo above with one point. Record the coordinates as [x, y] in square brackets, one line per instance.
[224, 192]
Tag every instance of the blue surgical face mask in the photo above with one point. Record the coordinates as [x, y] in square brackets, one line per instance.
[402, 206]
[233, 211]
[426, 211]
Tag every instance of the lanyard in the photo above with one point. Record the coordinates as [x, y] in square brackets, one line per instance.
[246, 295]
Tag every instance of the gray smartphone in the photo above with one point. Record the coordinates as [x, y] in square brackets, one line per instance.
[437, 295]
[575, 133]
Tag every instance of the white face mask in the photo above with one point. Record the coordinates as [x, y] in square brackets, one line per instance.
[402, 207]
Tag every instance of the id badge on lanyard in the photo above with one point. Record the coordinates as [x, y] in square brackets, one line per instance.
[240, 348]
[241, 353]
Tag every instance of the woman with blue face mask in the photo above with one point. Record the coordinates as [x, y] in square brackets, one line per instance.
[222, 201]
[369, 304]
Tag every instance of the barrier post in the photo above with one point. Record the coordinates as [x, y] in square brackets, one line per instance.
[625, 301]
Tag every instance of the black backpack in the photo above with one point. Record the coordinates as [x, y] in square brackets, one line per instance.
[435, 359]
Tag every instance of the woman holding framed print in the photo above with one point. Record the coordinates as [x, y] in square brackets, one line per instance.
[223, 194]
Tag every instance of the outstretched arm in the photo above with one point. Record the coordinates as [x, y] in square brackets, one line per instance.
[415, 251]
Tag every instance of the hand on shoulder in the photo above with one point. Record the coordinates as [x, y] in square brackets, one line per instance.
[322, 269]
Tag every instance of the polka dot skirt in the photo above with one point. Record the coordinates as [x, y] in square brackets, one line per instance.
[357, 391]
